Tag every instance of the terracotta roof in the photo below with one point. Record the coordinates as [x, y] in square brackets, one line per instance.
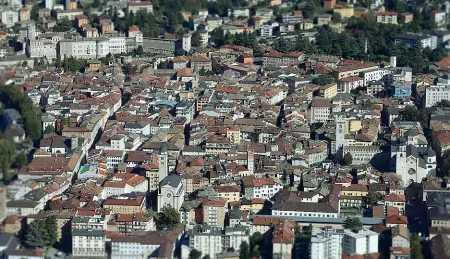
[395, 198]
[396, 219]
[356, 187]
[124, 202]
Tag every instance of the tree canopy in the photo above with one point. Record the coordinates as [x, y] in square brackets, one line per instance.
[352, 223]
[323, 80]
[348, 159]
[13, 98]
[168, 217]
[195, 254]
[244, 250]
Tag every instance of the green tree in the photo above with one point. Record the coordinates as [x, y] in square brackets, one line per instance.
[13, 98]
[244, 251]
[443, 104]
[323, 80]
[168, 217]
[282, 45]
[416, 248]
[413, 114]
[7, 151]
[196, 39]
[140, 50]
[21, 160]
[309, 10]
[348, 159]
[96, 4]
[66, 64]
[33, 236]
[58, 61]
[195, 254]
[51, 229]
[255, 243]
[445, 164]
[206, 257]
[49, 129]
[301, 186]
[374, 197]
[63, 25]
[337, 18]
[352, 223]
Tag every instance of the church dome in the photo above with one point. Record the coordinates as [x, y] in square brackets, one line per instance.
[430, 152]
[402, 140]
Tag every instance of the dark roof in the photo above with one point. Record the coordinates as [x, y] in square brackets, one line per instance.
[15, 130]
[172, 180]
[5, 238]
[21, 204]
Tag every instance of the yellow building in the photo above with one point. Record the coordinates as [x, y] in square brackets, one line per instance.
[306, 25]
[328, 91]
[361, 11]
[93, 65]
[229, 193]
[354, 125]
[70, 5]
[355, 190]
[234, 135]
[24, 14]
[344, 11]
[12, 224]
[203, 101]
[107, 27]
[126, 204]
[353, 68]
[213, 212]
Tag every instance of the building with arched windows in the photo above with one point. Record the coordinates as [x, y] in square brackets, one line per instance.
[412, 158]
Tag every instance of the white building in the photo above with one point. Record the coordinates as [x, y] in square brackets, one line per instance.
[49, 4]
[171, 192]
[266, 30]
[79, 48]
[261, 188]
[333, 243]
[69, 14]
[213, 240]
[438, 92]
[186, 42]
[124, 183]
[410, 39]
[362, 154]
[320, 110]
[411, 157]
[9, 18]
[92, 48]
[43, 46]
[304, 209]
[374, 75]
[88, 243]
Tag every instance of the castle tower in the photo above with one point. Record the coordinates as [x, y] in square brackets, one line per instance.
[251, 161]
[400, 158]
[340, 135]
[31, 31]
[186, 41]
[163, 169]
